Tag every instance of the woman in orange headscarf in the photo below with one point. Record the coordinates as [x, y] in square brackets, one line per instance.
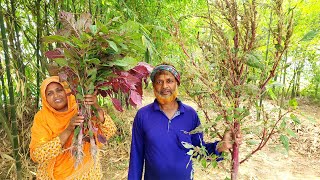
[53, 129]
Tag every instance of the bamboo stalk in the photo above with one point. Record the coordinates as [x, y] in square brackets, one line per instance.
[12, 116]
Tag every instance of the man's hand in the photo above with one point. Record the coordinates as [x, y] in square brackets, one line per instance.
[227, 141]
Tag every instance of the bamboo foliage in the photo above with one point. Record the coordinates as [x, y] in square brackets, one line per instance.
[37, 49]
[12, 116]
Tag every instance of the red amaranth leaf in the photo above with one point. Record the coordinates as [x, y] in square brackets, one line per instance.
[84, 22]
[127, 82]
[57, 53]
[146, 65]
[135, 98]
[68, 22]
[141, 71]
[117, 104]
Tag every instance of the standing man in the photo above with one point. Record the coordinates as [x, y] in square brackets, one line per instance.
[159, 128]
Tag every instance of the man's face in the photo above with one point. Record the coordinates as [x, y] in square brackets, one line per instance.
[165, 87]
[56, 97]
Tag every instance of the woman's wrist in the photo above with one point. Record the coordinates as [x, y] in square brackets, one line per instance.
[101, 116]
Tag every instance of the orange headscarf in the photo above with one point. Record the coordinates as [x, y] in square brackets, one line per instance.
[48, 124]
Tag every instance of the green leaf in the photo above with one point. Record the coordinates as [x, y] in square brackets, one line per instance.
[204, 163]
[93, 29]
[126, 62]
[230, 34]
[160, 28]
[55, 38]
[310, 35]
[104, 88]
[103, 29]
[278, 47]
[277, 85]
[219, 117]
[252, 142]
[285, 141]
[190, 152]
[71, 54]
[187, 145]
[295, 119]
[95, 61]
[90, 88]
[85, 37]
[229, 118]
[113, 45]
[123, 46]
[196, 130]
[76, 131]
[61, 62]
[130, 27]
[239, 109]
[214, 164]
[283, 124]
[79, 97]
[79, 89]
[291, 133]
[90, 133]
[293, 103]
[254, 60]
[92, 72]
[272, 94]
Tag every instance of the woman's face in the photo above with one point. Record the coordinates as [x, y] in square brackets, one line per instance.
[56, 97]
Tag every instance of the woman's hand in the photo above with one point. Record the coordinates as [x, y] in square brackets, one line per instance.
[227, 141]
[75, 121]
[91, 99]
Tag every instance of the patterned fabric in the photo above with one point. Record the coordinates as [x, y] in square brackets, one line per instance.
[54, 161]
[51, 149]
[169, 68]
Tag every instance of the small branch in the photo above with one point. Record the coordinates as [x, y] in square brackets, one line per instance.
[264, 142]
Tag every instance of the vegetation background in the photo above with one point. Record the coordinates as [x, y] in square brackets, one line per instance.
[182, 33]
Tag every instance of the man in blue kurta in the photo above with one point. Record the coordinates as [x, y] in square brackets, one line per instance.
[159, 130]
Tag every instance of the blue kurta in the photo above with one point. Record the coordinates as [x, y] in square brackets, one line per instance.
[156, 141]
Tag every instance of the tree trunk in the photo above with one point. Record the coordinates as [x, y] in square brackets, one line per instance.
[300, 68]
[38, 50]
[11, 96]
[3, 121]
[235, 154]
[3, 92]
[293, 90]
[17, 45]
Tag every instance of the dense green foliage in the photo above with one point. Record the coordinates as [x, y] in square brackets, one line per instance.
[184, 33]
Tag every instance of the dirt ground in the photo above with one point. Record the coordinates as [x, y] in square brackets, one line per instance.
[302, 162]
